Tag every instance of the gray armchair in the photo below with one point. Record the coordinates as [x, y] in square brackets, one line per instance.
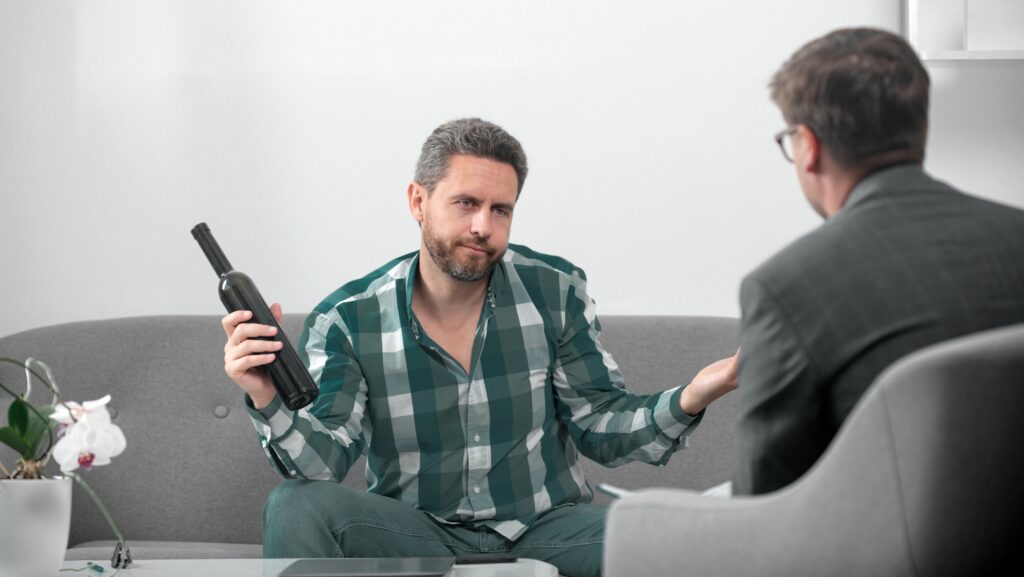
[926, 477]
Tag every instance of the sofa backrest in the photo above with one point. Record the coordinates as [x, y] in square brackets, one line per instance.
[193, 469]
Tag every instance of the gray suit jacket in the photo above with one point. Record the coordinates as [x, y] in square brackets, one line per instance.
[908, 262]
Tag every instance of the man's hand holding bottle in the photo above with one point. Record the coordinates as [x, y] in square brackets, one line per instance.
[246, 350]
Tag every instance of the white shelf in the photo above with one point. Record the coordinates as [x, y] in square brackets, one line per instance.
[972, 54]
[939, 30]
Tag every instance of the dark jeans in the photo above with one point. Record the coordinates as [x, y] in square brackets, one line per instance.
[327, 519]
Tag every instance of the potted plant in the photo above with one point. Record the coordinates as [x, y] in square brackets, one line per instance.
[35, 507]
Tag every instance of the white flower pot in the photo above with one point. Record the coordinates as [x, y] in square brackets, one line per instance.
[35, 519]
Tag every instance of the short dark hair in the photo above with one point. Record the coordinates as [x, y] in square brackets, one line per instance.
[470, 136]
[862, 91]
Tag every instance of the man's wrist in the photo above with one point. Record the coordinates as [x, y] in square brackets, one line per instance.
[261, 401]
[689, 403]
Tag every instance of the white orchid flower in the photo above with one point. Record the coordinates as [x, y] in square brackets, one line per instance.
[71, 412]
[89, 439]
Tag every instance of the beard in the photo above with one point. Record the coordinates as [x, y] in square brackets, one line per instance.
[469, 268]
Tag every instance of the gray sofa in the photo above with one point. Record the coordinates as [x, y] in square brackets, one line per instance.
[193, 479]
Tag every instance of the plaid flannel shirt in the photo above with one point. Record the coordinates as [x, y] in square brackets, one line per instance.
[496, 446]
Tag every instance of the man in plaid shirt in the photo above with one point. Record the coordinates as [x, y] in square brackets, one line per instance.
[471, 376]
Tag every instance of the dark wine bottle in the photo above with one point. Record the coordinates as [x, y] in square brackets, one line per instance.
[237, 291]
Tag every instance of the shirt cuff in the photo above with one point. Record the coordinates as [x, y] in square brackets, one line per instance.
[671, 419]
[273, 421]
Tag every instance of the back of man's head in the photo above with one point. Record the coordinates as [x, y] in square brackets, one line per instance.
[862, 92]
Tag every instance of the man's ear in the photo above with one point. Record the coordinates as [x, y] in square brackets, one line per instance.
[417, 194]
[808, 147]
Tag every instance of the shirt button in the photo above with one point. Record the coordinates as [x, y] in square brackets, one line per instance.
[476, 438]
[476, 489]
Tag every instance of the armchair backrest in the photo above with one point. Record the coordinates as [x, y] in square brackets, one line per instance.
[926, 477]
[953, 415]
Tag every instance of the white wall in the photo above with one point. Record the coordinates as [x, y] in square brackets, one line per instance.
[293, 129]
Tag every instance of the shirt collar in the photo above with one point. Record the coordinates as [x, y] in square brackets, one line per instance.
[497, 286]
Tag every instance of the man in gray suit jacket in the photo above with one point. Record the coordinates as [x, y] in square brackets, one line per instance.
[901, 262]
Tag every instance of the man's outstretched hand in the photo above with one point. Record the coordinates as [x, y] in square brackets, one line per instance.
[711, 382]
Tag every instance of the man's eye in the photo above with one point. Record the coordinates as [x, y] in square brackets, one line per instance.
[501, 211]
[465, 203]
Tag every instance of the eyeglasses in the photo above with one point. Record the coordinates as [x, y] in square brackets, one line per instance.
[784, 138]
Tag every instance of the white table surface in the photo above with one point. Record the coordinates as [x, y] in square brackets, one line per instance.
[271, 567]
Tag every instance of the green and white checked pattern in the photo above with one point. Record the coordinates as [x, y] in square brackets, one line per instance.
[497, 446]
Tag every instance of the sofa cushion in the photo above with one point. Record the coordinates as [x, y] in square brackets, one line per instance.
[656, 353]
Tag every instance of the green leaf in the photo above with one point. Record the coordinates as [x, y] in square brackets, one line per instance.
[36, 429]
[17, 416]
[12, 439]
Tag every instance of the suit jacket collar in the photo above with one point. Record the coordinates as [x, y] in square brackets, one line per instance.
[887, 178]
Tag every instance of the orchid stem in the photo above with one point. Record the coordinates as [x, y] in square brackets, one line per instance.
[96, 499]
[41, 378]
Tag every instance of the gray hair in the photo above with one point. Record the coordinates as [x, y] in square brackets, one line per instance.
[470, 136]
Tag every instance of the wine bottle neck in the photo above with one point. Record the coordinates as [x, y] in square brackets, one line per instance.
[211, 249]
